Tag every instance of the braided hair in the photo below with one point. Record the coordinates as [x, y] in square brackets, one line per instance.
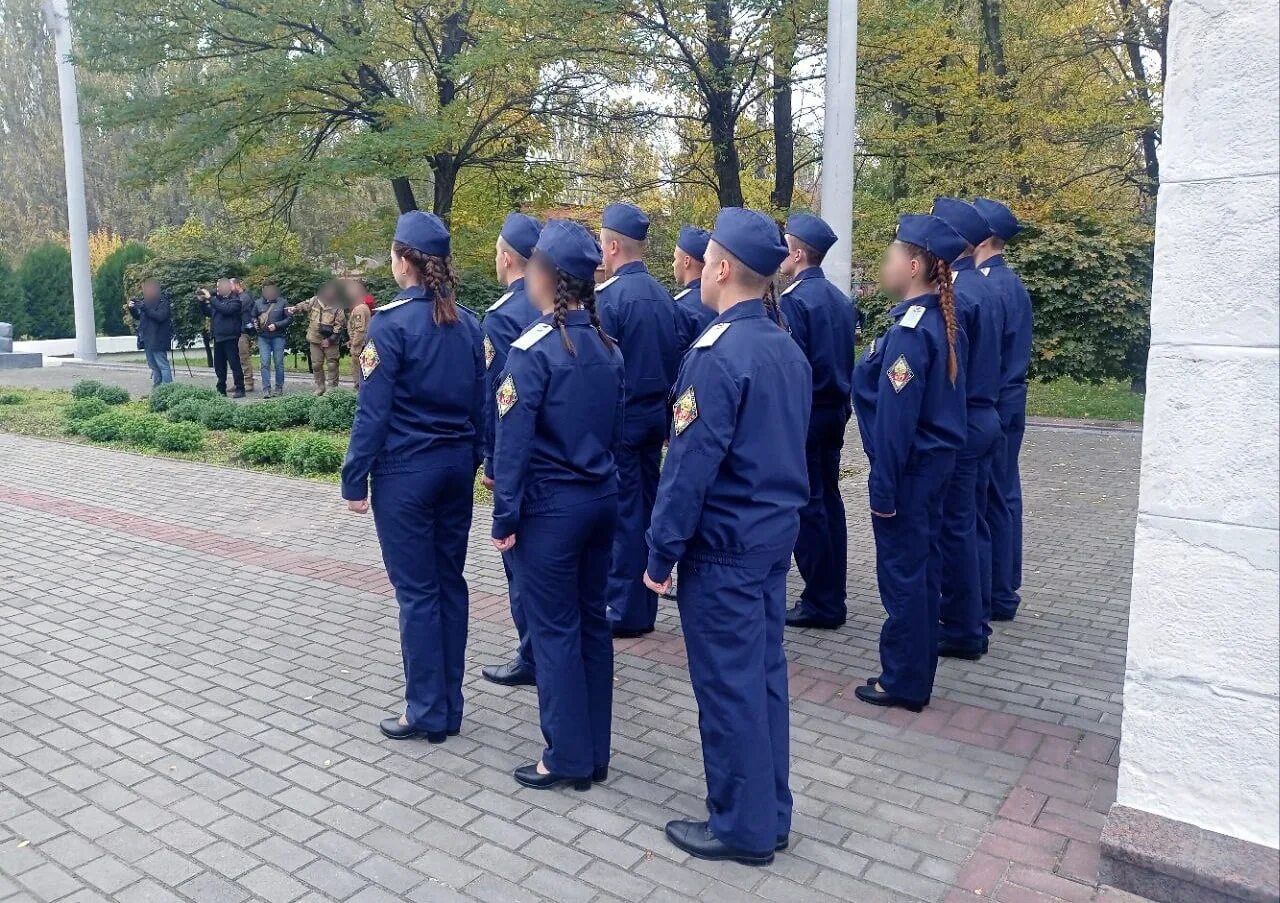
[437, 275]
[940, 271]
[772, 309]
[572, 292]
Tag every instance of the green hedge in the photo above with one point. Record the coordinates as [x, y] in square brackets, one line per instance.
[166, 396]
[334, 412]
[295, 410]
[81, 409]
[189, 410]
[258, 418]
[105, 427]
[142, 430]
[266, 448]
[179, 437]
[86, 388]
[218, 414]
[313, 454]
[12, 398]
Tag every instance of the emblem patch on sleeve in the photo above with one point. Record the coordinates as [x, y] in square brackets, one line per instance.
[506, 396]
[684, 411]
[899, 374]
[369, 359]
[489, 353]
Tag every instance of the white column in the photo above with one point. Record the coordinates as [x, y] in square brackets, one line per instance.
[77, 221]
[1200, 728]
[838, 136]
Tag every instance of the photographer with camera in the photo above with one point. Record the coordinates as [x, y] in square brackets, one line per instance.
[323, 333]
[245, 345]
[226, 323]
[154, 319]
[271, 317]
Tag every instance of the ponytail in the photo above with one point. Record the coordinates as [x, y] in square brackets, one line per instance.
[437, 275]
[947, 304]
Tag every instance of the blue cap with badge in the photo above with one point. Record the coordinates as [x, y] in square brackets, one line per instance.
[520, 231]
[626, 219]
[693, 241]
[751, 237]
[1001, 219]
[424, 231]
[932, 234]
[812, 230]
[964, 218]
[570, 247]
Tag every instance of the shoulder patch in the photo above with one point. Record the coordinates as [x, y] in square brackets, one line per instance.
[899, 374]
[532, 336]
[986, 271]
[712, 335]
[871, 349]
[391, 304]
[501, 301]
[684, 411]
[369, 359]
[789, 288]
[489, 352]
[912, 317]
[608, 282]
[683, 293]
[506, 395]
[955, 274]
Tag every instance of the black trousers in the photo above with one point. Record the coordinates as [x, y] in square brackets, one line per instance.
[227, 351]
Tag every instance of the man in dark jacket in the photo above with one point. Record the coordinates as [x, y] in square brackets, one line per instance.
[155, 329]
[226, 322]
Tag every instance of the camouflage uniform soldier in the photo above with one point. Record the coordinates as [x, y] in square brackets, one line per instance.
[247, 341]
[324, 326]
[359, 310]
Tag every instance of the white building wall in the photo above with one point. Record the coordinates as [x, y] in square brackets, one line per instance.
[1201, 730]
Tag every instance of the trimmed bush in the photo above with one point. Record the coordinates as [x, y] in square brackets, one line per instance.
[113, 395]
[180, 437]
[105, 427]
[313, 454]
[142, 430]
[12, 398]
[87, 388]
[189, 410]
[335, 411]
[294, 409]
[163, 397]
[266, 448]
[259, 418]
[82, 409]
[218, 414]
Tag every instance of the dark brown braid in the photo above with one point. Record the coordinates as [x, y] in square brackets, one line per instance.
[437, 275]
[940, 271]
[560, 313]
[572, 292]
[771, 306]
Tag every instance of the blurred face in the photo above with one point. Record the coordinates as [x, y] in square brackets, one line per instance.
[401, 270]
[498, 267]
[900, 270]
[794, 262]
[270, 292]
[715, 273]
[540, 283]
[151, 290]
[678, 264]
[224, 286]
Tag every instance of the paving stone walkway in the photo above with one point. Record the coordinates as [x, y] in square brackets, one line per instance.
[193, 661]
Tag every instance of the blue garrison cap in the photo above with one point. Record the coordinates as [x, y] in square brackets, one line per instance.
[693, 241]
[932, 234]
[1003, 223]
[570, 247]
[520, 230]
[424, 231]
[812, 230]
[751, 237]
[964, 218]
[627, 219]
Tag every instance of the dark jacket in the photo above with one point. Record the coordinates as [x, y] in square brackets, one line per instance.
[226, 319]
[265, 312]
[155, 322]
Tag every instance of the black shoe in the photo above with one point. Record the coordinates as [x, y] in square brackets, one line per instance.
[951, 650]
[797, 617]
[529, 776]
[600, 775]
[1003, 616]
[393, 729]
[627, 633]
[696, 839]
[985, 646]
[238, 393]
[880, 697]
[784, 841]
[512, 674]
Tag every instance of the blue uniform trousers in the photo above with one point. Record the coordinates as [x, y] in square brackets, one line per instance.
[631, 605]
[423, 519]
[966, 596]
[909, 574]
[562, 569]
[1004, 513]
[733, 617]
[822, 545]
[524, 653]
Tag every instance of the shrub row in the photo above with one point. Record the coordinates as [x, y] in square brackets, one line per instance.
[333, 412]
[91, 388]
[302, 454]
[147, 430]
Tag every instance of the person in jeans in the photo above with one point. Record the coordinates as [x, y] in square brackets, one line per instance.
[272, 316]
[155, 329]
[244, 346]
[226, 323]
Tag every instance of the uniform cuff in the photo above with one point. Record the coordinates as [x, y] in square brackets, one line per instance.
[884, 502]
[355, 492]
[488, 468]
[503, 527]
[659, 568]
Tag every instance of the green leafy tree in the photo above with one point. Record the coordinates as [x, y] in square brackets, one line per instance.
[13, 303]
[109, 297]
[45, 275]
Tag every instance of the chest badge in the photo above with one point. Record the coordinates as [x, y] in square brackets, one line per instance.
[506, 396]
[900, 374]
[684, 411]
[489, 353]
[369, 359]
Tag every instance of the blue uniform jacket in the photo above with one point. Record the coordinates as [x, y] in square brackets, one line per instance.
[422, 396]
[559, 422]
[906, 404]
[735, 477]
[697, 315]
[641, 315]
[509, 316]
[1015, 348]
[981, 314]
[821, 319]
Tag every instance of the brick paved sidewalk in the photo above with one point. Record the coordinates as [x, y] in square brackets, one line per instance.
[193, 661]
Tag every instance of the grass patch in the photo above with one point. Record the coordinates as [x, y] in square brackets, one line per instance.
[1109, 400]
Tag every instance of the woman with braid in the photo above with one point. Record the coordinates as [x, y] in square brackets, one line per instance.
[559, 406]
[909, 394]
[417, 439]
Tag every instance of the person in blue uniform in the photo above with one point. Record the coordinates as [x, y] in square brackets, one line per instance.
[966, 536]
[727, 515]
[686, 266]
[909, 393]
[1005, 498]
[416, 442]
[648, 326]
[560, 403]
[821, 320]
[509, 316]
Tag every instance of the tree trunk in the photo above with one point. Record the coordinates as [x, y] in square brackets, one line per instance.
[404, 194]
[721, 115]
[995, 37]
[445, 168]
[1133, 47]
[784, 134]
[444, 164]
